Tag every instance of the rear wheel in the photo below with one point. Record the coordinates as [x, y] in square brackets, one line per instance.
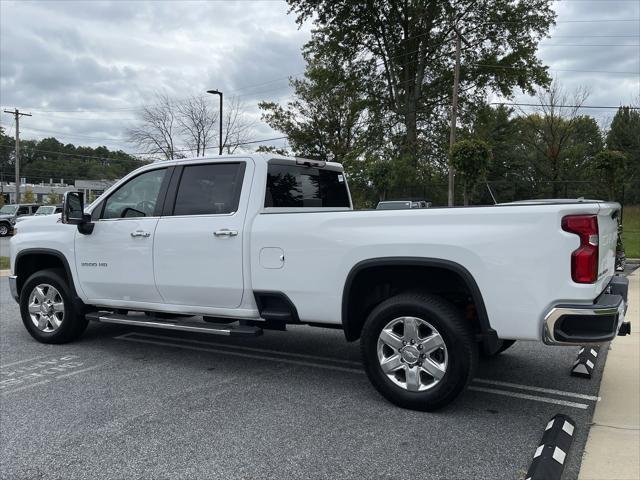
[418, 351]
[48, 310]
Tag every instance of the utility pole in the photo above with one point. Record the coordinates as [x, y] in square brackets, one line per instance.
[454, 116]
[454, 111]
[16, 113]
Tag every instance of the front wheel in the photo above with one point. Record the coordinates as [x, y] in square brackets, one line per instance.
[418, 351]
[47, 308]
[4, 229]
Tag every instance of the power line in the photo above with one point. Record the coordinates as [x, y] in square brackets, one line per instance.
[79, 155]
[488, 65]
[238, 144]
[595, 36]
[90, 137]
[602, 20]
[562, 106]
[592, 45]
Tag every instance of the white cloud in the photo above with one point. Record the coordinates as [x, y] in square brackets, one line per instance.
[107, 58]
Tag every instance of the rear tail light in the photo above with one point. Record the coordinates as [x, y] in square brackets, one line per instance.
[584, 260]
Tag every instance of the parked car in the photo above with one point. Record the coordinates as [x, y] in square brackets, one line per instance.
[10, 213]
[48, 210]
[402, 204]
[272, 241]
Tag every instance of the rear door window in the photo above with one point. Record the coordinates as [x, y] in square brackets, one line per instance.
[209, 189]
[301, 186]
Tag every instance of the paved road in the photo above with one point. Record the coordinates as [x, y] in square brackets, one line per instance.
[127, 403]
[4, 246]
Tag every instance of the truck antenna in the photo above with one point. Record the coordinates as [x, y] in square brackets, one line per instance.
[495, 202]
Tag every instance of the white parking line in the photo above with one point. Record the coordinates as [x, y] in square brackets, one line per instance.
[25, 387]
[64, 375]
[582, 406]
[22, 361]
[241, 347]
[239, 354]
[537, 389]
[228, 349]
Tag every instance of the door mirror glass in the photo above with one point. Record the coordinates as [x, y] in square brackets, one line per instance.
[73, 208]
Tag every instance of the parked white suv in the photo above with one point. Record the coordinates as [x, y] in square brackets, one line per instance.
[272, 241]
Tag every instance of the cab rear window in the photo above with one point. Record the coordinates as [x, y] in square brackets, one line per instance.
[301, 186]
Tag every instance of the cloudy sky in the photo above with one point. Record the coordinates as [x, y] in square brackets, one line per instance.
[84, 68]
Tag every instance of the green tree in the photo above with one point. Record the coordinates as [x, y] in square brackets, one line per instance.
[331, 111]
[611, 165]
[272, 149]
[470, 158]
[624, 136]
[54, 198]
[41, 160]
[412, 45]
[334, 115]
[509, 170]
[28, 196]
[551, 131]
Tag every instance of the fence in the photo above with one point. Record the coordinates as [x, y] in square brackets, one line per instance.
[510, 191]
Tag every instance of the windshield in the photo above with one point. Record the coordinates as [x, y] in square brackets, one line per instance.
[46, 210]
[8, 210]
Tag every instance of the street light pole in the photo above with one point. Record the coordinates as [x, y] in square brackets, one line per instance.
[217, 92]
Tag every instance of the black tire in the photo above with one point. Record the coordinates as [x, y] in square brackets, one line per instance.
[5, 229]
[504, 344]
[456, 333]
[73, 322]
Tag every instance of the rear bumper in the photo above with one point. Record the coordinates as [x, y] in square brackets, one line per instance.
[13, 287]
[584, 324]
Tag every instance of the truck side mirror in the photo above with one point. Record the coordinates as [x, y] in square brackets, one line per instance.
[73, 212]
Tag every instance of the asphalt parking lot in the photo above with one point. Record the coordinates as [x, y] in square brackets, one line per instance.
[139, 403]
[4, 246]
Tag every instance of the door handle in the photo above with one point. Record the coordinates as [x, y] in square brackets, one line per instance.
[140, 233]
[225, 232]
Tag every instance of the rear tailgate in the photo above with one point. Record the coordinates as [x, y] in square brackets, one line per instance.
[608, 237]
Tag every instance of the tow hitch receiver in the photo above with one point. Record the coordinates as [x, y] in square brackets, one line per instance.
[625, 329]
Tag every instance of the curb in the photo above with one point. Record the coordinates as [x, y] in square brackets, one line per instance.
[5, 273]
[548, 461]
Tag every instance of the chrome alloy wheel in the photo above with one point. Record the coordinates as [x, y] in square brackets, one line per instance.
[46, 308]
[412, 353]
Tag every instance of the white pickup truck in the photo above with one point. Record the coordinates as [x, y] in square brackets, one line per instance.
[234, 245]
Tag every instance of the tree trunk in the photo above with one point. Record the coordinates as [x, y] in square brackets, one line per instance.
[464, 195]
[411, 139]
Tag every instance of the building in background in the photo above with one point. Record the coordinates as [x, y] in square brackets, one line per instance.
[43, 191]
[92, 189]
